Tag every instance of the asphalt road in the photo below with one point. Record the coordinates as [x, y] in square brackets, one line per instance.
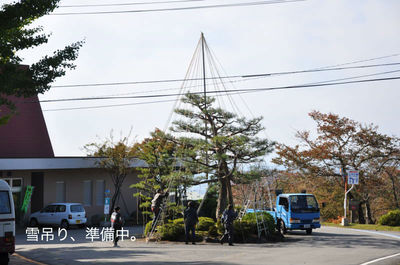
[325, 246]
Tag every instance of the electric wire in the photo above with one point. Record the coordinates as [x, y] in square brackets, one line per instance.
[228, 77]
[113, 105]
[131, 4]
[239, 92]
[244, 90]
[177, 8]
[236, 81]
[176, 105]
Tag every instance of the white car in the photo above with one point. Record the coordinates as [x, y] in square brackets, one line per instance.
[7, 223]
[59, 214]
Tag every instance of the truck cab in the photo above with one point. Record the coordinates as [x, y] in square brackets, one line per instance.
[7, 223]
[297, 211]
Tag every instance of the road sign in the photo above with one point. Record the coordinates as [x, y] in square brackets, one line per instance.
[106, 205]
[352, 177]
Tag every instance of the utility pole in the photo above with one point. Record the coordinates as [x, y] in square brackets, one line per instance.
[205, 98]
[205, 120]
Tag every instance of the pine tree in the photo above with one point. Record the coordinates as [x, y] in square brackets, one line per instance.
[228, 141]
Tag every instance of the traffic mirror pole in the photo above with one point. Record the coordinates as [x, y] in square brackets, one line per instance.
[344, 222]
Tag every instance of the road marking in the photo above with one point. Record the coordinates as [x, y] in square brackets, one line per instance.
[377, 233]
[28, 260]
[376, 260]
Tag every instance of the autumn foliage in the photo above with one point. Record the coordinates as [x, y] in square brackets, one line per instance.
[321, 159]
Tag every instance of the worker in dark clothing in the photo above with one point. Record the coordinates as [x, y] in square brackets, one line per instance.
[156, 204]
[116, 223]
[191, 219]
[227, 219]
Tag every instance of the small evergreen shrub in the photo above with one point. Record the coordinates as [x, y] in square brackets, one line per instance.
[220, 227]
[250, 218]
[179, 221]
[147, 228]
[213, 231]
[205, 223]
[172, 231]
[392, 218]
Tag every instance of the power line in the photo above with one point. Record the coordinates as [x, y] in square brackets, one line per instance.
[236, 91]
[114, 105]
[245, 90]
[132, 4]
[233, 76]
[177, 8]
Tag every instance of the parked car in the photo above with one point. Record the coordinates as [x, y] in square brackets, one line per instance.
[7, 223]
[59, 214]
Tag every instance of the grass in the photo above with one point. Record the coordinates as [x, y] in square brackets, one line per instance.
[366, 227]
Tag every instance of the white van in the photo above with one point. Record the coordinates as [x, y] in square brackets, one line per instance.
[7, 222]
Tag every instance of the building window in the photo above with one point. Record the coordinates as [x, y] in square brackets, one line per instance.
[15, 184]
[87, 192]
[60, 191]
[100, 189]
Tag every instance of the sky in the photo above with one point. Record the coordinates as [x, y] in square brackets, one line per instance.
[245, 40]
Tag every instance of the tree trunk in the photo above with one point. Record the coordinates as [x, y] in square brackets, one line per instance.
[396, 200]
[227, 179]
[221, 197]
[229, 191]
[117, 185]
[368, 214]
[361, 219]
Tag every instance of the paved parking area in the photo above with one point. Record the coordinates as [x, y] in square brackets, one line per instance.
[326, 246]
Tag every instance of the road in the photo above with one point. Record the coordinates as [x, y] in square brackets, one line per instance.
[328, 245]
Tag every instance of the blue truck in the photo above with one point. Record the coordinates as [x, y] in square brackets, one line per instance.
[296, 211]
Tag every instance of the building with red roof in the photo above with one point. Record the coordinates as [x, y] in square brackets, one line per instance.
[27, 159]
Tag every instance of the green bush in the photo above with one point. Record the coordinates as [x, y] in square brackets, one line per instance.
[220, 227]
[205, 223]
[213, 231]
[147, 228]
[392, 218]
[179, 221]
[251, 219]
[246, 229]
[172, 231]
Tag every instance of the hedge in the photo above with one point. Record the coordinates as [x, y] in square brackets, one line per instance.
[147, 228]
[205, 223]
[172, 231]
[392, 218]
[246, 229]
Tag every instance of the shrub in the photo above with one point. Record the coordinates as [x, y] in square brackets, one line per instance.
[220, 227]
[392, 218]
[171, 231]
[247, 228]
[179, 221]
[250, 219]
[205, 223]
[147, 228]
[213, 231]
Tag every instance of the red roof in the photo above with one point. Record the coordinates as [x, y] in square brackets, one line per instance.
[25, 134]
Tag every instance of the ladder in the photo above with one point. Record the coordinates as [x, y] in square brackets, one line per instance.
[159, 222]
[244, 209]
[259, 209]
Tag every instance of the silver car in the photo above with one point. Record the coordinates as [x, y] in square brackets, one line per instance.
[59, 214]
